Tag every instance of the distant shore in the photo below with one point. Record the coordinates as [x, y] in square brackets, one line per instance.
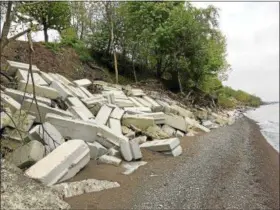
[230, 167]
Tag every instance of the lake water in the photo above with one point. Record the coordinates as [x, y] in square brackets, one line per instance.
[268, 119]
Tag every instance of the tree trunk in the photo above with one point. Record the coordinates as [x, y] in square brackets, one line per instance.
[82, 31]
[133, 68]
[46, 33]
[179, 81]
[159, 65]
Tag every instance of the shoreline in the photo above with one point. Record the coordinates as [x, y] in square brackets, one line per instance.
[248, 160]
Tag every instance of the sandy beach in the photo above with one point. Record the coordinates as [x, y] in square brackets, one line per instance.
[230, 167]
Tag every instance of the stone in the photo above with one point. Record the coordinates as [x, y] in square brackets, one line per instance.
[103, 115]
[21, 192]
[126, 150]
[139, 121]
[135, 92]
[5, 119]
[19, 95]
[193, 123]
[207, 124]
[73, 128]
[174, 152]
[83, 82]
[28, 154]
[44, 110]
[117, 113]
[155, 105]
[48, 134]
[155, 132]
[107, 159]
[135, 150]
[125, 130]
[130, 135]
[61, 89]
[176, 121]
[159, 117]
[23, 75]
[13, 66]
[169, 130]
[132, 166]
[179, 134]
[124, 102]
[143, 102]
[96, 150]
[183, 112]
[161, 145]
[115, 125]
[71, 189]
[202, 114]
[43, 91]
[46, 77]
[140, 139]
[9, 102]
[61, 164]
[136, 103]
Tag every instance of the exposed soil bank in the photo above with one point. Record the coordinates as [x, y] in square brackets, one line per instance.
[231, 167]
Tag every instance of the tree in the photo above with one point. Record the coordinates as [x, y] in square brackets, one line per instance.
[51, 15]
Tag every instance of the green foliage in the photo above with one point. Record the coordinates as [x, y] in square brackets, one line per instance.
[226, 102]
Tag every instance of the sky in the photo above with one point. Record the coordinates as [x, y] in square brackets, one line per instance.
[252, 32]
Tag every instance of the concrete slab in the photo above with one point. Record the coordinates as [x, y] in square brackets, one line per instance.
[13, 66]
[155, 132]
[169, 130]
[89, 94]
[138, 109]
[103, 115]
[176, 121]
[179, 134]
[61, 164]
[175, 152]
[104, 142]
[117, 113]
[130, 167]
[76, 91]
[114, 152]
[61, 89]
[46, 77]
[79, 109]
[183, 112]
[140, 139]
[110, 135]
[63, 79]
[73, 128]
[126, 150]
[48, 134]
[9, 102]
[130, 135]
[124, 102]
[139, 121]
[5, 119]
[115, 125]
[18, 96]
[23, 75]
[159, 117]
[135, 150]
[161, 145]
[107, 159]
[136, 103]
[96, 150]
[155, 105]
[44, 110]
[43, 91]
[28, 154]
[135, 92]
[83, 82]
[143, 102]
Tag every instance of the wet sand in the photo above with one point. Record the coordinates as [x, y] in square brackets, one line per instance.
[230, 167]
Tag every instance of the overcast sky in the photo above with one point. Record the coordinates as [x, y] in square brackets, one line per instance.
[252, 32]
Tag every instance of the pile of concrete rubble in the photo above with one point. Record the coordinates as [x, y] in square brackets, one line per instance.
[57, 134]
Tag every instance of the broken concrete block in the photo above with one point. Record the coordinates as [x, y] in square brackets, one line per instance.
[135, 92]
[126, 150]
[48, 134]
[88, 94]
[79, 113]
[92, 102]
[61, 164]
[124, 102]
[140, 139]
[14, 66]
[96, 150]
[139, 121]
[61, 89]
[43, 91]
[125, 130]
[107, 159]
[76, 91]
[130, 167]
[100, 82]
[28, 154]
[183, 112]
[18, 96]
[115, 125]
[155, 132]
[179, 134]
[169, 130]
[135, 150]
[161, 145]
[130, 135]
[143, 102]
[159, 117]
[136, 103]
[83, 82]
[155, 105]
[114, 152]
[103, 141]
[138, 109]
[117, 113]
[63, 79]
[207, 124]
[95, 108]
[176, 121]
[44, 109]
[73, 128]
[191, 123]
[71, 189]
[9, 102]
[46, 77]
[175, 152]
[23, 75]
[79, 108]
[5, 119]
[110, 135]
[111, 98]
[103, 115]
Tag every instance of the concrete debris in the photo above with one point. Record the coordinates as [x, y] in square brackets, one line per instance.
[61, 164]
[164, 145]
[83, 82]
[176, 121]
[4, 118]
[28, 154]
[115, 125]
[139, 109]
[126, 130]
[71, 189]
[117, 113]
[139, 121]
[13, 66]
[135, 92]
[179, 134]
[61, 89]
[174, 152]
[111, 160]
[23, 75]
[130, 135]
[135, 150]
[140, 139]
[126, 150]
[130, 167]
[155, 132]
[96, 150]
[159, 117]
[103, 115]
[169, 130]
[9, 102]
[114, 152]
